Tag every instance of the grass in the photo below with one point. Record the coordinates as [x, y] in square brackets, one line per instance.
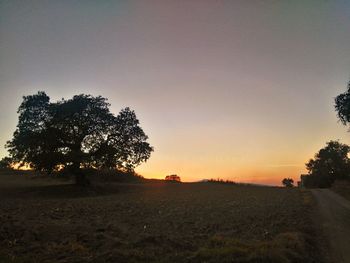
[286, 247]
[153, 222]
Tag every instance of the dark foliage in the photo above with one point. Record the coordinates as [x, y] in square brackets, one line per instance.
[77, 133]
[173, 178]
[288, 182]
[220, 181]
[317, 181]
[342, 106]
[6, 162]
[329, 164]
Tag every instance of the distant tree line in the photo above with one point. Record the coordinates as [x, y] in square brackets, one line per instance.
[173, 178]
[77, 133]
[221, 181]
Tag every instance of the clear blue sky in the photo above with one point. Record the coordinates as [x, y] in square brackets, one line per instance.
[241, 90]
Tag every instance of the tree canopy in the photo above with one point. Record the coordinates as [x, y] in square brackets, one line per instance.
[330, 163]
[288, 182]
[78, 132]
[173, 178]
[342, 106]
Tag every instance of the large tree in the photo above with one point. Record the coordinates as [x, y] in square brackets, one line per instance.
[75, 133]
[330, 163]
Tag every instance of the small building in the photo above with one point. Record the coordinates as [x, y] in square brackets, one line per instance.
[301, 183]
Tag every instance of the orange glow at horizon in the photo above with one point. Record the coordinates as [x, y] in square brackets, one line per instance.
[242, 175]
[248, 162]
[18, 166]
[237, 90]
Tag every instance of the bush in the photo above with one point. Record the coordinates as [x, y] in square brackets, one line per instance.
[317, 181]
[6, 162]
[112, 175]
[288, 182]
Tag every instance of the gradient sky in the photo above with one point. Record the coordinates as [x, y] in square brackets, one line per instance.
[240, 90]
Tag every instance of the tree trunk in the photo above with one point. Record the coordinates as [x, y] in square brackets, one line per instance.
[81, 180]
[80, 177]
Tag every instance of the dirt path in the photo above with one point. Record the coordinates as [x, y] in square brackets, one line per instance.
[335, 221]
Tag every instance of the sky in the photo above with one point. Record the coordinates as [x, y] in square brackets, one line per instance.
[238, 90]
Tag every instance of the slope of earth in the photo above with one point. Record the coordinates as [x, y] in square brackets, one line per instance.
[153, 222]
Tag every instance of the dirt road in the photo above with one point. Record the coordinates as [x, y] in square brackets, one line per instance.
[334, 212]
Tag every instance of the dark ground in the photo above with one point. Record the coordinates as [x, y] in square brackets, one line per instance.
[334, 216]
[42, 220]
[342, 187]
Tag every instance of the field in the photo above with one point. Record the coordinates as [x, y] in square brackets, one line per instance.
[50, 221]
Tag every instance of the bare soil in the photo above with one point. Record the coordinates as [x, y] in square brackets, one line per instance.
[50, 221]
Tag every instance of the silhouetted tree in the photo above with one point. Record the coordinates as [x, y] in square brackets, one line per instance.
[173, 178]
[342, 106]
[126, 144]
[288, 182]
[330, 163]
[75, 133]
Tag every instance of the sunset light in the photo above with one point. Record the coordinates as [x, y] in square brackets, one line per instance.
[175, 131]
[234, 90]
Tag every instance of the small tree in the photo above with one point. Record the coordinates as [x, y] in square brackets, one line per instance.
[173, 178]
[288, 182]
